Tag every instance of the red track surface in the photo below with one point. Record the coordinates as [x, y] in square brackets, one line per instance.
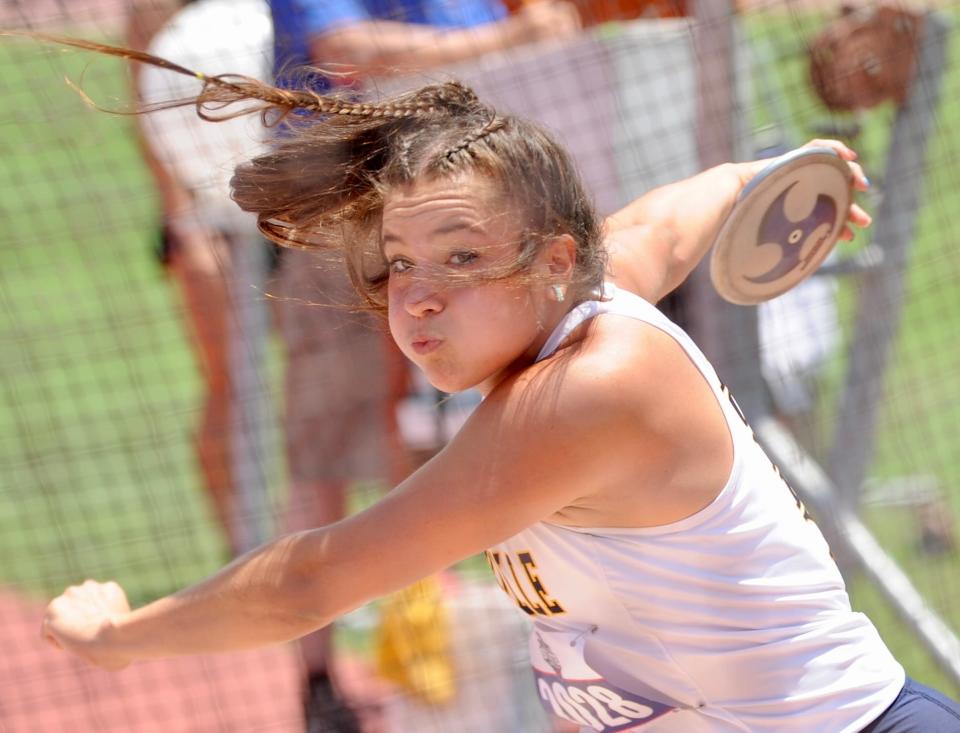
[45, 691]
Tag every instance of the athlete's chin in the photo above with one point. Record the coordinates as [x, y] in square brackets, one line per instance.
[449, 383]
[447, 378]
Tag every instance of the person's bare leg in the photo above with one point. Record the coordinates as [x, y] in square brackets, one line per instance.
[200, 265]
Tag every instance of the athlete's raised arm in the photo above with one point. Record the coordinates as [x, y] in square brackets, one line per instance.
[655, 241]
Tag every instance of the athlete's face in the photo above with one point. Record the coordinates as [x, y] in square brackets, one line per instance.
[438, 238]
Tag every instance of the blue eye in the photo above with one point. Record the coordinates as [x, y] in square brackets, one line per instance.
[463, 258]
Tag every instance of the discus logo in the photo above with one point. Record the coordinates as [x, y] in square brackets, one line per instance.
[596, 706]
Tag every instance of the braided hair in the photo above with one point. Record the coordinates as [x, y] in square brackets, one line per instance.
[323, 183]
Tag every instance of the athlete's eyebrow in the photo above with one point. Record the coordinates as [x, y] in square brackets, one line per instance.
[447, 228]
[458, 226]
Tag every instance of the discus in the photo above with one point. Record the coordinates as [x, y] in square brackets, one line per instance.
[783, 225]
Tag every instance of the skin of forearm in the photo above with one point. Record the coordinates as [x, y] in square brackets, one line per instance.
[680, 220]
[267, 596]
[383, 47]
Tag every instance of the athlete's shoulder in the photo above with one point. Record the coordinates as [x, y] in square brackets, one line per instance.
[628, 351]
[618, 359]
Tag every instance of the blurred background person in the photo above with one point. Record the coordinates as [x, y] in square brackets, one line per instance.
[340, 411]
[180, 154]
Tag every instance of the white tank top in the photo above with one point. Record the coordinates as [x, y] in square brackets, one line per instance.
[733, 619]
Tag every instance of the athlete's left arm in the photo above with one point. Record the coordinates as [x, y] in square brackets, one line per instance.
[656, 241]
[534, 446]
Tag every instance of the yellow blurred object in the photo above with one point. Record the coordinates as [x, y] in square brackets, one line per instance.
[413, 649]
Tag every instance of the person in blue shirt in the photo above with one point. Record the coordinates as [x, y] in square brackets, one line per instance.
[370, 37]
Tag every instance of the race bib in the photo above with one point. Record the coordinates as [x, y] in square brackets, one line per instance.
[572, 690]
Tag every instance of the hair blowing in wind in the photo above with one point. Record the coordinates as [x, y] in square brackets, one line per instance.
[334, 159]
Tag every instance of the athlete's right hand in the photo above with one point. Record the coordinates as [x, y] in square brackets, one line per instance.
[79, 621]
[856, 216]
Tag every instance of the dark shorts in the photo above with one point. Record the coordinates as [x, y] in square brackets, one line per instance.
[918, 709]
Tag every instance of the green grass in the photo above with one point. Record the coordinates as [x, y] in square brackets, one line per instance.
[99, 391]
[99, 388]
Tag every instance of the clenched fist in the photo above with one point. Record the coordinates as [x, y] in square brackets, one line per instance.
[80, 621]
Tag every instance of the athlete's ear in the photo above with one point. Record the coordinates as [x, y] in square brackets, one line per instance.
[559, 258]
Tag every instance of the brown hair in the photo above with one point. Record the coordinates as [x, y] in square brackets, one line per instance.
[323, 183]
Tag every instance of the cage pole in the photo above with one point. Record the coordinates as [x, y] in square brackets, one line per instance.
[881, 292]
[726, 333]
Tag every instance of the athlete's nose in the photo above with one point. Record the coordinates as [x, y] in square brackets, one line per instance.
[423, 299]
